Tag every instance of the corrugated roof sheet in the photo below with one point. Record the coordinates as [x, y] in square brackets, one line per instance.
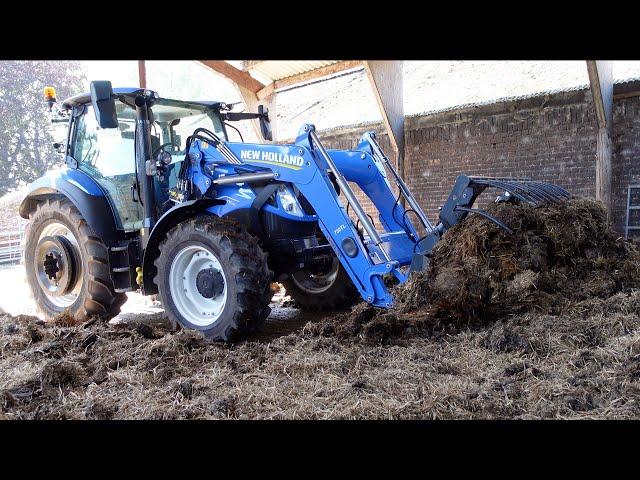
[429, 87]
[272, 70]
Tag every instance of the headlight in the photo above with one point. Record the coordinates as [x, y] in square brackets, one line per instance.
[289, 202]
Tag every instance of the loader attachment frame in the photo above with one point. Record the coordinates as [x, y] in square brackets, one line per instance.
[307, 166]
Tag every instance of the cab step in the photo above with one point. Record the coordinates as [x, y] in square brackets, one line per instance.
[123, 260]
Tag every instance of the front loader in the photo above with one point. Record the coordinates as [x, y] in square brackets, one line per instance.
[155, 198]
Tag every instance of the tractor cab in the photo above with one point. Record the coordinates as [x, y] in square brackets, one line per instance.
[108, 155]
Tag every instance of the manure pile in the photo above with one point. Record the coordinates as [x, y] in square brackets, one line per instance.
[558, 256]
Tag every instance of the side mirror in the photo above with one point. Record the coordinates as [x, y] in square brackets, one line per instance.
[103, 103]
[265, 124]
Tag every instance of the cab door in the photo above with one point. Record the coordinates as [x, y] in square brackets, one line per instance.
[108, 156]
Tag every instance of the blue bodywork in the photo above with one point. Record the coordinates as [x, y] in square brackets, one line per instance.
[85, 193]
[298, 165]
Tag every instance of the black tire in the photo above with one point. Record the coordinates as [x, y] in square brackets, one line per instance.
[96, 296]
[341, 294]
[241, 259]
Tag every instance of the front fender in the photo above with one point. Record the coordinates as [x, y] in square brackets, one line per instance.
[84, 192]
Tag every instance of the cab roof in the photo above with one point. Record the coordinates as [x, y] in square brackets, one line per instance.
[85, 98]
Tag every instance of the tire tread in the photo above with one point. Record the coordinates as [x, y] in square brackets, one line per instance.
[250, 272]
[98, 297]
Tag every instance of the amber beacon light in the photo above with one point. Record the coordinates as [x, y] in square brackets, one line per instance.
[50, 96]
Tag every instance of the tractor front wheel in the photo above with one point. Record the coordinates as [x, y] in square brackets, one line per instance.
[213, 277]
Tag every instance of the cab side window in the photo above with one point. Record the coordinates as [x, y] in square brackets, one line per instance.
[106, 152]
[108, 156]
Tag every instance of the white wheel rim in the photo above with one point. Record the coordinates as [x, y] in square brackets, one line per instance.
[316, 283]
[62, 301]
[190, 303]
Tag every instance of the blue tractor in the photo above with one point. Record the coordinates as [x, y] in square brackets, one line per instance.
[153, 197]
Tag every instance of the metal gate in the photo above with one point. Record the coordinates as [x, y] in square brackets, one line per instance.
[11, 251]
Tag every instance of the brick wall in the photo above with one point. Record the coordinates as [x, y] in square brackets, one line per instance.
[549, 137]
[626, 156]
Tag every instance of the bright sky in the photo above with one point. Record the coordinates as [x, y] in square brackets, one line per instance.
[181, 79]
[120, 73]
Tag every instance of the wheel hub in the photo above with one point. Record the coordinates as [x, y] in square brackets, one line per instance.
[198, 285]
[209, 282]
[55, 265]
[51, 267]
[315, 282]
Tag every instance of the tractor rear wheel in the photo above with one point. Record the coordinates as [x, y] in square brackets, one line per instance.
[67, 266]
[328, 290]
[213, 277]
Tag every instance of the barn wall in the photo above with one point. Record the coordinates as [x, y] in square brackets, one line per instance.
[549, 137]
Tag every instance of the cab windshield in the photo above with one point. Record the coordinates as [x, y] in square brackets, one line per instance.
[174, 121]
[108, 155]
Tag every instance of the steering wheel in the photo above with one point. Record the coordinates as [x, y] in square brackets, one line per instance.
[163, 146]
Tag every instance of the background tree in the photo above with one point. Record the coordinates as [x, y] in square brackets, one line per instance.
[26, 150]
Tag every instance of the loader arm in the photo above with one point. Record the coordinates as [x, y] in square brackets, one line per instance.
[384, 248]
[306, 164]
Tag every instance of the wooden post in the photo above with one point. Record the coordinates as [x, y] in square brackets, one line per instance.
[601, 80]
[251, 102]
[142, 74]
[248, 88]
[385, 78]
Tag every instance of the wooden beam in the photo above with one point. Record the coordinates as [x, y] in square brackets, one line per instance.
[601, 80]
[267, 91]
[385, 78]
[622, 96]
[142, 74]
[240, 78]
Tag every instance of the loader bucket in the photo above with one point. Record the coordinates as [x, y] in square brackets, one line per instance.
[524, 189]
[468, 188]
[464, 194]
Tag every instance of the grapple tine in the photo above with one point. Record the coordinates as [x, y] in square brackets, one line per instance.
[515, 189]
[558, 191]
[540, 191]
[548, 191]
[524, 189]
[497, 183]
[555, 192]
